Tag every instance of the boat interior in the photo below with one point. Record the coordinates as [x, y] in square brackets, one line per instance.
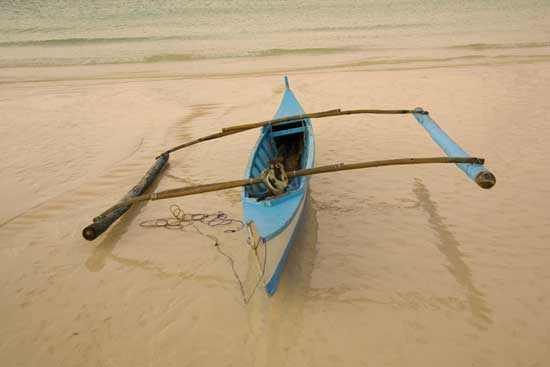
[285, 142]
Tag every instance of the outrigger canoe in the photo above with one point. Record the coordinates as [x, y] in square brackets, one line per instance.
[277, 178]
[273, 219]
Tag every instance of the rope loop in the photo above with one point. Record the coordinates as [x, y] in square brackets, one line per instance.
[275, 178]
[180, 220]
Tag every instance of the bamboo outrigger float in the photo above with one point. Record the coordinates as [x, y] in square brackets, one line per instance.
[277, 177]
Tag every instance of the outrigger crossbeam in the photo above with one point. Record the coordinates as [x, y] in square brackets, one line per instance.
[472, 167]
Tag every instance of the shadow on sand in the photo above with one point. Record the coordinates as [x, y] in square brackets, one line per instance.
[450, 247]
[275, 323]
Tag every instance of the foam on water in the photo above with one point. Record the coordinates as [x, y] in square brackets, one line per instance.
[61, 33]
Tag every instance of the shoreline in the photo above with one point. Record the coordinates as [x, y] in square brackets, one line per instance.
[265, 66]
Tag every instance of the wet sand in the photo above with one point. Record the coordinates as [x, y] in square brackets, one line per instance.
[393, 266]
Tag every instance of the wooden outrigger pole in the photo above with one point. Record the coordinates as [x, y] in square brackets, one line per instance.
[201, 189]
[103, 221]
[244, 127]
[316, 115]
[473, 167]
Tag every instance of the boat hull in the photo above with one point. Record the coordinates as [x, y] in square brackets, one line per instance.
[277, 249]
[273, 222]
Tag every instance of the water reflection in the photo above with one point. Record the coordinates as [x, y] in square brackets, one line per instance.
[276, 323]
[104, 250]
[97, 261]
[450, 247]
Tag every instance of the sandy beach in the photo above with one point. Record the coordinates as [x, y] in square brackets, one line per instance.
[395, 266]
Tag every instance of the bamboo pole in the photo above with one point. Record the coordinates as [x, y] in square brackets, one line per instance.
[244, 127]
[200, 140]
[329, 113]
[199, 189]
[383, 163]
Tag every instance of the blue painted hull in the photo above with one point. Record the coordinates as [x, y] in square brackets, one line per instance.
[277, 219]
[476, 172]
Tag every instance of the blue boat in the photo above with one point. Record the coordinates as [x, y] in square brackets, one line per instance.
[272, 219]
[273, 201]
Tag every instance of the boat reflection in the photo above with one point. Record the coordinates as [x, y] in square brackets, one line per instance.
[275, 323]
[450, 247]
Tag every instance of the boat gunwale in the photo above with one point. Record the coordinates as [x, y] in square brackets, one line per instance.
[301, 190]
[282, 228]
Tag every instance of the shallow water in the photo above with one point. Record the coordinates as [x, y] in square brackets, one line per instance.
[392, 266]
[63, 33]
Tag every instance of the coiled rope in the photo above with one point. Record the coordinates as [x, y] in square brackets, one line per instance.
[180, 220]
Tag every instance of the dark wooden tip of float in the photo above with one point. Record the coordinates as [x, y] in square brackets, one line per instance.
[486, 180]
[89, 233]
[103, 221]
